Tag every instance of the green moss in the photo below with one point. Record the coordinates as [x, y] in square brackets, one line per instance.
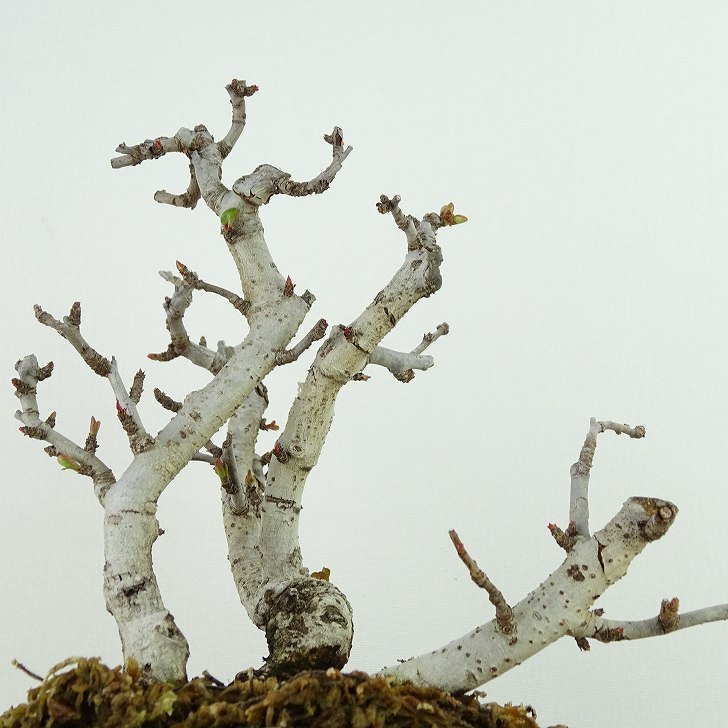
[90, 695]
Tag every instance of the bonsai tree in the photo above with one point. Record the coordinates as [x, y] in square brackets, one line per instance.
[307, 620]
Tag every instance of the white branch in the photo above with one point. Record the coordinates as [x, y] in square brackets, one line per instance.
[340, 359]
[399, 361]
[559, 606]
[175, 309]
[597, 627]
[580, 470]
[241, 509]
[321, 182]
[70, 329]
[29, 374]
[238, 91]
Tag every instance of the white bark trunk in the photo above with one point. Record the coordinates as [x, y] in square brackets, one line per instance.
[559, 606]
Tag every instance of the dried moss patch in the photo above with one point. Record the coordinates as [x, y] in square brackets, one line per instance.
[85, 693]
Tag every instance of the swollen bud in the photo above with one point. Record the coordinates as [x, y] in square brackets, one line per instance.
[448, 216]
[288, 287]
[221, 469]
[68, 463]
[228, 217]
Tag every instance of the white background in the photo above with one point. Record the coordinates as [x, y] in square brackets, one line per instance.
[585, 140]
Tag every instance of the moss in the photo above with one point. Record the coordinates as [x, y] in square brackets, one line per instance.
[88, 694]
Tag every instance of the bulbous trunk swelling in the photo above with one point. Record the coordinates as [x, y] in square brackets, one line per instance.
[310, 627]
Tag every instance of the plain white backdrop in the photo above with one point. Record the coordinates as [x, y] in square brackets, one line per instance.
[585, 141]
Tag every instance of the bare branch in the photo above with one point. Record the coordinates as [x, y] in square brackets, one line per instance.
[406, 223]
[137, 387]
[131, 421]
[580, 470]
[71, 456]
[189, 198]
[442, 330]
[339, 360]
[316, 333]
[668, 620]
[167, 402]
[148, 149]
[238, 92]
[70, 329]
[503, 613]
[554, 609]
[193, 280]
[173, 406]
[400, 364]
[323, 181]
[175, 309]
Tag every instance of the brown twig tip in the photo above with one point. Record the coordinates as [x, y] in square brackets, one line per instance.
[565, 539]
[74, 316]
[386, 205]
[241, 88]
[44, 372]
[406, 376]
[288, 287]
[336, 138]
[137, 387]
[167, 355]
[35, 433]
[127, 420]
[167, 402]
[319, 330]
[22, 388]
[503, 613]
[361, 377]
[669, 619]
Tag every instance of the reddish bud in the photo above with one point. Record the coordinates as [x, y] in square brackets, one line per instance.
[281, 454]
[288, 287]
[221, 469]
[119, 409]
[348, 332]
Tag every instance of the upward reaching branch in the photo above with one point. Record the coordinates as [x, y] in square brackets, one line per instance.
[559, 606]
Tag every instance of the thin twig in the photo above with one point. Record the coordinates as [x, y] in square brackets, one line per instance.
[503, 613]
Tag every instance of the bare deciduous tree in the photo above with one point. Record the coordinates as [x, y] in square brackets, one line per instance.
[307, 620]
